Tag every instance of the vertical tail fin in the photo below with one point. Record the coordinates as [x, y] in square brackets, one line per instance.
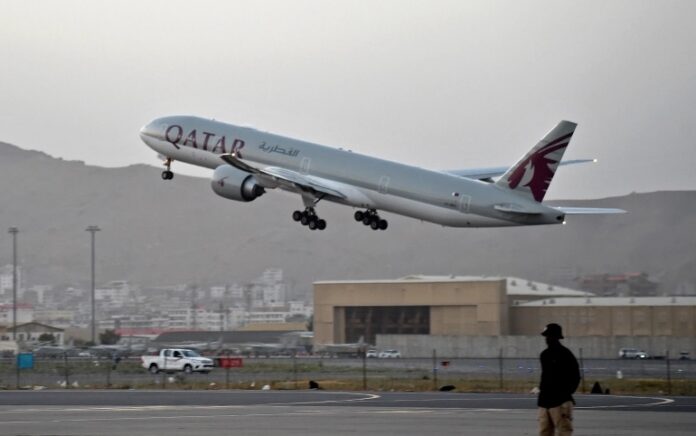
[532, 175]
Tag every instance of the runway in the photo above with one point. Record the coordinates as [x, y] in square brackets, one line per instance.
[295, 413]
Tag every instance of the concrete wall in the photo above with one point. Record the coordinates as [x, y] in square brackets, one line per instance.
[531, 346]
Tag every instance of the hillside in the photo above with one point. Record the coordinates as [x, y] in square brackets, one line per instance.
[156, 232]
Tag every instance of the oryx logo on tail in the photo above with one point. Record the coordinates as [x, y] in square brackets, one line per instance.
[532, 175]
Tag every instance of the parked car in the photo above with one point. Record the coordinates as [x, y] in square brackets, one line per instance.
[633, 353]
[371, 353]
[387, 354]
[50, 352]
[177, 359]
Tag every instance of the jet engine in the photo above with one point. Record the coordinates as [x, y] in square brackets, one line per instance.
[235, 184]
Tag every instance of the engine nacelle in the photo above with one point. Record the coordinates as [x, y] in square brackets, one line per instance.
[235, 184]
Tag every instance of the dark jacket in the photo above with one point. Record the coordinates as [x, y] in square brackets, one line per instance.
[560, 376]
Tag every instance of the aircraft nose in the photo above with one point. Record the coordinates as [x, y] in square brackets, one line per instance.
[150, 130]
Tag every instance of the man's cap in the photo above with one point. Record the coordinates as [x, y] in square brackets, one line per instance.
[553, 330]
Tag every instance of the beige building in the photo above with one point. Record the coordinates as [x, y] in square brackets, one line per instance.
[446, 306]
[345, 311]
[31, 332]
[608, 316]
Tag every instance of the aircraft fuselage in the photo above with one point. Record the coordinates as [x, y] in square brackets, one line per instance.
[367, 182]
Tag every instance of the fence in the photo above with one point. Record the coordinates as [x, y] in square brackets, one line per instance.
[466, 374]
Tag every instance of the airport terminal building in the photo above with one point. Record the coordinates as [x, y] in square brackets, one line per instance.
[479, 316]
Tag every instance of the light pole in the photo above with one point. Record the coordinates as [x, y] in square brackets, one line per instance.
[93, 230]
[14, 231]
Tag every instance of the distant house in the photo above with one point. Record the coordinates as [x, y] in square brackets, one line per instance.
[623, 284]
[31, 332]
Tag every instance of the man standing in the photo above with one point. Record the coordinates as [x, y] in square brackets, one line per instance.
[560, 376]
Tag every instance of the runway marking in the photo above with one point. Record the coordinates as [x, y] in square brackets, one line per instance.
[462, 399]
[660, 401]
[402, 411]
[141, 418]
[652, 401]
[364, 397]
[325, 412]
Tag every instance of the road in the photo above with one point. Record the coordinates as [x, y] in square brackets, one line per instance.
[314, 413]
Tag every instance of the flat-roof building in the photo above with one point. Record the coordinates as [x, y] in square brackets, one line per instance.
[345, 311]
[422, 310]
[609, 316]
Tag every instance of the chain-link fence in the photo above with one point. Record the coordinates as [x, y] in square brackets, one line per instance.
[662, 376]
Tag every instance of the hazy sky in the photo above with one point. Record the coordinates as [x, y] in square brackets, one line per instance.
[441, 84]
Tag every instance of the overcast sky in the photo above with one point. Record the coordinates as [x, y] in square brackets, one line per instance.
[440, 84]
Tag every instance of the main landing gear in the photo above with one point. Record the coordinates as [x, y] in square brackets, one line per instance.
[370, 218]
[168, 174]
[309, 218]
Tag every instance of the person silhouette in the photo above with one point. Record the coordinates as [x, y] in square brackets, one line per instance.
[560, 376]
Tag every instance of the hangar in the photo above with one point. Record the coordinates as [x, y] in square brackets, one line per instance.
[610, 316]
[495, 311]
[344, 311]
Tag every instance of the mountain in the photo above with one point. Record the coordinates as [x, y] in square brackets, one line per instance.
[157, 232]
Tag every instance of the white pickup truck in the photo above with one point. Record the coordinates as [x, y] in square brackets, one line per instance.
[177, 359]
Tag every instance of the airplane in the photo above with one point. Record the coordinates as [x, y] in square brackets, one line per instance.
[248, 162]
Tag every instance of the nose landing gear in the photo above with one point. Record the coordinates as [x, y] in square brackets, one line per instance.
[167, 174]
[371, 218]
[309, 218]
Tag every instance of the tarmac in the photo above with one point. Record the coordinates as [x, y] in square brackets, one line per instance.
[295, 413]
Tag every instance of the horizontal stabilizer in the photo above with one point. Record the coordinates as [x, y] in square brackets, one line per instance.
[487, 174]
[588, 210]
[513, 208]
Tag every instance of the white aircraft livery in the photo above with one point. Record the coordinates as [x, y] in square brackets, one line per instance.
[248, 162]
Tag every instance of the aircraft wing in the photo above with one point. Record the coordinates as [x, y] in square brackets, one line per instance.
[487, 174]
[588, 210]
[287, 179]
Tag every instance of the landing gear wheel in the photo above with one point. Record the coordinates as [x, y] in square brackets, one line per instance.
[370, 218]
[309, 218]
[167, 174]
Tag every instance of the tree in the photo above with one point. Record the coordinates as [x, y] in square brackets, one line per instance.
[47, 337]
[109, 337]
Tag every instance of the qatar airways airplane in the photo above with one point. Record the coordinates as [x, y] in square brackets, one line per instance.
[247, 162]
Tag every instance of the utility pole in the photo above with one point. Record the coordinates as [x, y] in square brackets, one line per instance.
[14, 231]
[194, 315]
[93, 230]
